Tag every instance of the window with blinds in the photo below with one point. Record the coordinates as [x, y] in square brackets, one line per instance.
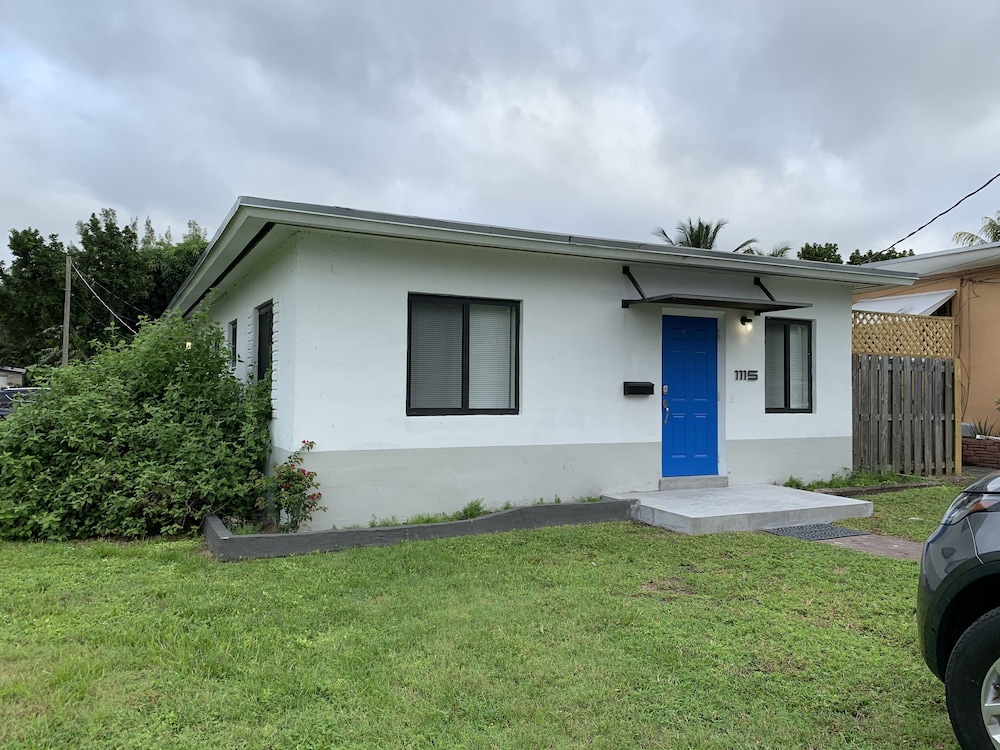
[232, 344]
[788, 381]
[265, 339]
[462, 356]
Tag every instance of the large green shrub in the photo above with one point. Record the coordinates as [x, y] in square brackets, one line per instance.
[148, 437]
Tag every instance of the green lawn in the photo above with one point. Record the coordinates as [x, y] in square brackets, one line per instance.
[607, 636]
[911, 514]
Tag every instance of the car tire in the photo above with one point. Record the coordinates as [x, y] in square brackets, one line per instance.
[972, 682]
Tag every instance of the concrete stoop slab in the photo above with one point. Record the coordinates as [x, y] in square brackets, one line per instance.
[740, 508]
[692, 483]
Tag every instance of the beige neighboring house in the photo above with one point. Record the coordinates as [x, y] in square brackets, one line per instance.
[11, 377]
[963, 283]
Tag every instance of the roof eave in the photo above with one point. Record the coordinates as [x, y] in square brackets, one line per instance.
[250, 212]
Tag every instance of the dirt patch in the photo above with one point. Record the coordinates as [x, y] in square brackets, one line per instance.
[668, 586]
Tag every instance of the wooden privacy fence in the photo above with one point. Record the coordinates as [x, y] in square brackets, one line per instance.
[904, 410]
[904, 384]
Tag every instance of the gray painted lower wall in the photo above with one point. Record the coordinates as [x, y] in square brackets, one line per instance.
[770, 461]
[358, 485]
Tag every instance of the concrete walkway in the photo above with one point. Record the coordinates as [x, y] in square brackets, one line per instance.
[884, 546]
[711, 510]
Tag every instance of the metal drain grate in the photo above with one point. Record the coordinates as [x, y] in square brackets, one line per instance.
[813, 532]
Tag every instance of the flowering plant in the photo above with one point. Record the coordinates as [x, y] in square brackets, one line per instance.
[292, 498]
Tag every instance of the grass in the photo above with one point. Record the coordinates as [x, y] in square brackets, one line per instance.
[472, 509]
[911, 514]
[854, 479]
[605, 636]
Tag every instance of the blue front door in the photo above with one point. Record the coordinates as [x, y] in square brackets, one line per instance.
[689, 401]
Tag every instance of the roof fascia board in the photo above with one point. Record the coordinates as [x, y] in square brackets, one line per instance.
[255, 212]
[588, 247]
[224, 246]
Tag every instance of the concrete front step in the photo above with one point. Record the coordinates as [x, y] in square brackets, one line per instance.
[693, 483]
[740, 508]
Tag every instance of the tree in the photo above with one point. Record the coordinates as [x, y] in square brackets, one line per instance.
[858, 258]
[108, 257]
[827, 253]
[31, 298]
[988, 233]
[134, 277]
[703, 235]
[168, 265]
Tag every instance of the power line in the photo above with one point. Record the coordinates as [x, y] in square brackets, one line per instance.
[981, 187]
[77, 296]
[113, 313]
[97, 283]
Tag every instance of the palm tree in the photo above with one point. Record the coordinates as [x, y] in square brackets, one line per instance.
[780, 250]
[703, 235]
[989, 233]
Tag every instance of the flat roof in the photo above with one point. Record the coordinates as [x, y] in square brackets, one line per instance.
[923, 303]
[954, 260]
[251, 220]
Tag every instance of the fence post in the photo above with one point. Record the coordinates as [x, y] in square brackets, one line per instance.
[958, 417]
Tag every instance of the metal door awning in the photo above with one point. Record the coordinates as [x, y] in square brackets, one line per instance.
[757, 306]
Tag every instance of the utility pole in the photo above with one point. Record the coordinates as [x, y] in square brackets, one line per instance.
[66, 299]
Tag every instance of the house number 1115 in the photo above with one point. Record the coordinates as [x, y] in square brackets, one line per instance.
[746, 374]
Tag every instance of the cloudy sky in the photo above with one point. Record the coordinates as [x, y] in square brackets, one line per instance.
[851, 122]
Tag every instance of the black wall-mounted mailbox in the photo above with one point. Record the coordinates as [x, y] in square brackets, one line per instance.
[637, 389]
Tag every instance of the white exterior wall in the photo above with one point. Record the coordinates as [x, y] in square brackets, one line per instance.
[271, 279]
[577, 347]
[762, 447]
[340, 307]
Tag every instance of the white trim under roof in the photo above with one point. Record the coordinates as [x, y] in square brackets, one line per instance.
[924, 303]
[256, 223]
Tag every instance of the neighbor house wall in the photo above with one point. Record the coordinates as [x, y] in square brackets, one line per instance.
[976, 309]
[11, 379]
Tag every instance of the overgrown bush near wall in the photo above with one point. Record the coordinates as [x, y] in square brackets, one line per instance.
[146, 438]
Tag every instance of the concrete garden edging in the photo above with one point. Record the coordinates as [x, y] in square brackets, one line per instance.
[226, 546]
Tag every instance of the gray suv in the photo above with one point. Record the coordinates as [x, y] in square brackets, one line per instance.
[958, 612]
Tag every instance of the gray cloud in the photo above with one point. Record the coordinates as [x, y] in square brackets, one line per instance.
[850, 122]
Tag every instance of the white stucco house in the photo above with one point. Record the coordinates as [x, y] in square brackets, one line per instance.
[437, 362]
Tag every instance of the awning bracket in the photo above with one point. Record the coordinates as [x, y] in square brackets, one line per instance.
[758, 283]
[628, 272]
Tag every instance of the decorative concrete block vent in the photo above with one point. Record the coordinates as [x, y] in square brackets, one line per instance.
[981, 451]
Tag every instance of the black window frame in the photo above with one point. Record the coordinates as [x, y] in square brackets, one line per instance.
[786, 325]
[265, 344]
[466, 303]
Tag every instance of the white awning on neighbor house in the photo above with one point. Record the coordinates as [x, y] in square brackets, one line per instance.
[923, 303]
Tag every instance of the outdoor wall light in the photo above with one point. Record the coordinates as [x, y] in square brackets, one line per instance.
[748, 322]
